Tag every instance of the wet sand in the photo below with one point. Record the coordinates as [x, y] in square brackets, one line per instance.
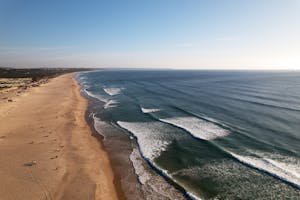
[47, 150]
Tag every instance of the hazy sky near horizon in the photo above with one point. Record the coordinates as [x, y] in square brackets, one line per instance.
[204, 34]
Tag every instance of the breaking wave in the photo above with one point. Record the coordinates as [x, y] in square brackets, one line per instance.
[288, 170]
[198, 128]
[150, 110]
[150, 137]
[112, 91]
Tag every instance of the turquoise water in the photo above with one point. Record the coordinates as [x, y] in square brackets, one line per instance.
[216, 134]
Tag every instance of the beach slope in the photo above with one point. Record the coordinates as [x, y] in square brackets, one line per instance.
[47, 150]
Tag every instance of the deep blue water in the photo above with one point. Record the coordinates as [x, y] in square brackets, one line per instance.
[217, 134]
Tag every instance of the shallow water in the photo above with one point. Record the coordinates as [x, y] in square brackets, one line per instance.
[216, 134]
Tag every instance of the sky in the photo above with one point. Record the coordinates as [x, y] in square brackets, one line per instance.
[183, 34]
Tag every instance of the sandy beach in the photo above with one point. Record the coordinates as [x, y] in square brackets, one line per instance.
[47, 150]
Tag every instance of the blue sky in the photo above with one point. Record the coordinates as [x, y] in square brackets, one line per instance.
[204, 34]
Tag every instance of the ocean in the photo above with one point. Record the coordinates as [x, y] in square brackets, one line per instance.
[199, 134]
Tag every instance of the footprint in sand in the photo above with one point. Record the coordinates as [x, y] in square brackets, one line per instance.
[31, 163]
[2, 137]
[54, 157]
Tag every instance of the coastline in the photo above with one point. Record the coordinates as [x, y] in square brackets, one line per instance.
[134, 175]
[120, 164]
[99, 137]
[47, 149]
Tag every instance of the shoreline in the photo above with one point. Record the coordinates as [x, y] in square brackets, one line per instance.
[99, 137]
[47, 149]
[120, 145]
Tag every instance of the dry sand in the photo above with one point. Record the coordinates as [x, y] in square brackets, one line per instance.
[46, 147]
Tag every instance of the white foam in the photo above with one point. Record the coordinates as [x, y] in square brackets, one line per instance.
[150, 110]
[192, 196]
[138, 166]
[287, 171]
[151, 143]
[155, 186]
[150, 136]
[170, 175]
[111, 104]
[198, 128]
[97, 125]
[99, 97]
[89, 93]
[108, 103]
[112, 90]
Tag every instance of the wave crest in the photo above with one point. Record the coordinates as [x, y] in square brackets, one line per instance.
[112, 91]
[197, 127]
[149, 136]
